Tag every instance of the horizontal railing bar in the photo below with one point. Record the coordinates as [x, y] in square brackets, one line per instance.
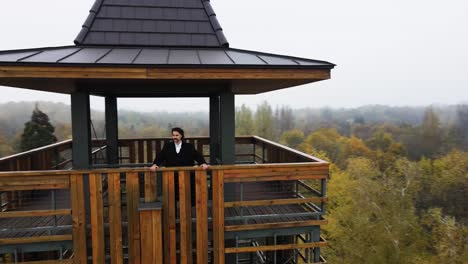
[34, 213]
[35, 229]
[309, 188]
[275, 247]
[274, 225]
[248, 217]
[274, 202]
[32, 151]
[27, 240]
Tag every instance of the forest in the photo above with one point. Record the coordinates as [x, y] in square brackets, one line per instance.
[399, 175]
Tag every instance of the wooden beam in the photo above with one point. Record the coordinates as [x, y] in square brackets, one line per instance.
[161, 73]
[133, 196]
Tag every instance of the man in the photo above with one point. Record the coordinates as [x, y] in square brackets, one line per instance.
[178, 153]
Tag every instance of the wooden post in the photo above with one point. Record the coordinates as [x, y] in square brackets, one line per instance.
[78, 217]
[151, 236]
[115, 218]
[112, 135]
[185, 218]
[133, 196]
[202, 216]
[169, 221]
[97, 218]
[218, 216]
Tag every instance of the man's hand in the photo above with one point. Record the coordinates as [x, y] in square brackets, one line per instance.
[204, 166]
[154, 167]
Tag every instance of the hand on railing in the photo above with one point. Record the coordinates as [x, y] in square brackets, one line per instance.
[204, 166]
[154, 167]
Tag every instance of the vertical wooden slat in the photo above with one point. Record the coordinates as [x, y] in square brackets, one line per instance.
[169, 218]
[218, 216]
[115, 218]
[185, 217]
[202, 216]
[141, 152]
[78, 218]
[97, 217]
[146, 237]
[157, 240]
[149, 150]
[150, 187]
[133, 196]
[131, 151]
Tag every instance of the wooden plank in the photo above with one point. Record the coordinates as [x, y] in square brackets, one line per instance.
[185, 217]
[147, 237]
[78, 218]
[97, 217]
[277, 178]
[202, 216]
[39, 239]
[276, 247]
[218, 216]
[115, 218]
[275, 225]
[35, 213]
[133, 197]
[150, 187]
[158, 237]
[275, 202]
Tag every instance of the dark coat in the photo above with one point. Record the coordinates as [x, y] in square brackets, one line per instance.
[186, 157]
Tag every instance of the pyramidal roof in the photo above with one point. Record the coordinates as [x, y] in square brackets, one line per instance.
[159, 23]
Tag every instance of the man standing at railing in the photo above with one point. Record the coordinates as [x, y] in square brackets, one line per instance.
[177, 153]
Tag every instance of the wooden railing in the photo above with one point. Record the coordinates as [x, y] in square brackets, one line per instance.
[141, 151]
[103, 211]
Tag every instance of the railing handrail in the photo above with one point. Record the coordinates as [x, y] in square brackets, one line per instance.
[297, 152]
[189, 168]
[32, 151]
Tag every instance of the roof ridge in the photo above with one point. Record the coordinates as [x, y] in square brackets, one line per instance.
[214, 22]
[85, 28]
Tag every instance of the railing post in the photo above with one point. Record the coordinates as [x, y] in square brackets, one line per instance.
[218, 216]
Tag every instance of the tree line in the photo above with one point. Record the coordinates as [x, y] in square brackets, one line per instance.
[399, 176]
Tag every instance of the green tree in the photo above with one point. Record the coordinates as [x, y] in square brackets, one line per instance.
[264, 126]
[431, 133]
[5, 147]
[244, 121]
[38, 132]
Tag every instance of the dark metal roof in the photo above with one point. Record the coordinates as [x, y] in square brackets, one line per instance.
[162, 23]
[159, 57]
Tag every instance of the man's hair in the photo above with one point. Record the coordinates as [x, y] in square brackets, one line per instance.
[178, 129]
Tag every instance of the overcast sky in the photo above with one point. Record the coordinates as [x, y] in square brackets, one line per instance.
[393, 52]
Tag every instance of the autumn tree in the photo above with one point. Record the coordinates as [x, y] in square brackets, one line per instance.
[431, 133]
[292, 138]
[38, 132]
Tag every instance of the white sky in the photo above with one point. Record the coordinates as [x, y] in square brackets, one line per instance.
[393, 52]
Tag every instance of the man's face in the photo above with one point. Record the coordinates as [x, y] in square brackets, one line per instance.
[176, 137]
